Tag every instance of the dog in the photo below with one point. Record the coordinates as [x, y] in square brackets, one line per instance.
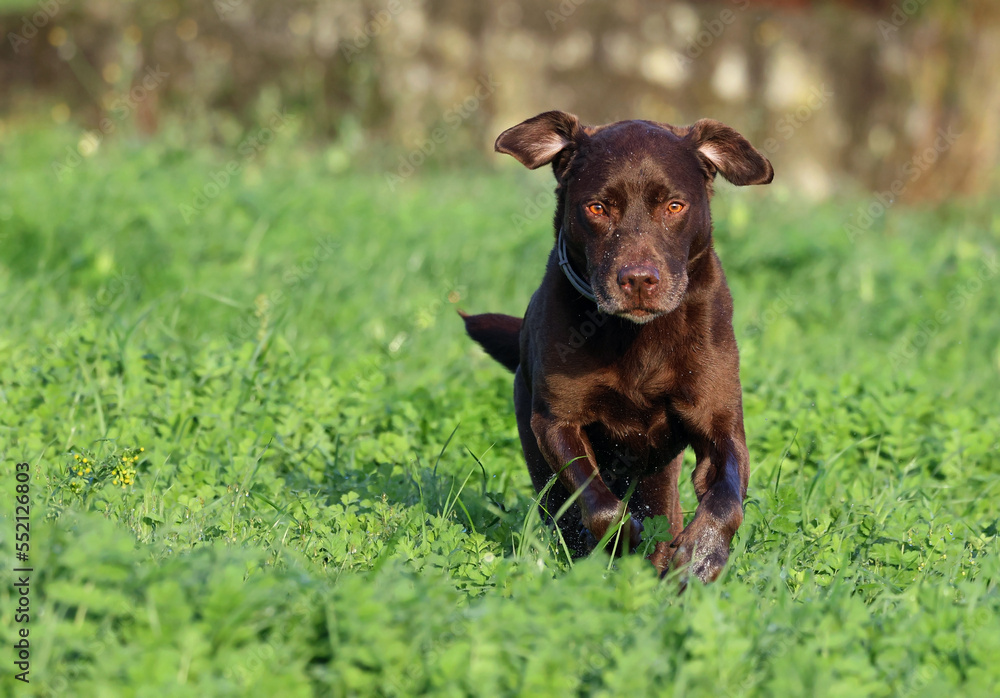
[626, 354]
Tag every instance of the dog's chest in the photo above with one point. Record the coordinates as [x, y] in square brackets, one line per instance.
[628, 441]
[635, 411]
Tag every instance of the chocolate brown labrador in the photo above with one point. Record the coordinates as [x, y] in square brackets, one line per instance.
[626, 354]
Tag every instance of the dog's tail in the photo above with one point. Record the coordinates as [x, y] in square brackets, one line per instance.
[498, 334]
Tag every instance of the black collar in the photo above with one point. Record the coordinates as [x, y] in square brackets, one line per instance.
[585, 289]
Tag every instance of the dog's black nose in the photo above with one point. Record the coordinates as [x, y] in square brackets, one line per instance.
[638, 278]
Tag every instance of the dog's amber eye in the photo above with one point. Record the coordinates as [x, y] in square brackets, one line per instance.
[596, 209]
[675, 207]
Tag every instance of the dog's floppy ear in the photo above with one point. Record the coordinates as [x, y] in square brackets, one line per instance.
[539, 140]
[725, 151]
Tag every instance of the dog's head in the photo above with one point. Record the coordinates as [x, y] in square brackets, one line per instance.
[633, 199]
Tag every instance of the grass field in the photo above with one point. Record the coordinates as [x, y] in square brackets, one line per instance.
[266, 461]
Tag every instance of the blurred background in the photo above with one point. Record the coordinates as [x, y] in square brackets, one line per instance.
[841, 95]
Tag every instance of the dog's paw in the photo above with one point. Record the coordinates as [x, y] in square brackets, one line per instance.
[702, 552]
[660, 557]
[627, 540]
[635, 533]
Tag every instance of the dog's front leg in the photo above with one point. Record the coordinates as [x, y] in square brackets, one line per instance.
[720, 483]
[568, 452]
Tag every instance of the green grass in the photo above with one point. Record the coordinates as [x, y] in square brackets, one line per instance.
[330, 497]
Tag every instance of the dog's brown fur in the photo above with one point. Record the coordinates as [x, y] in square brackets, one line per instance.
[608, 397]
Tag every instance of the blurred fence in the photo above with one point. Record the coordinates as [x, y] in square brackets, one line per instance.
[900, 95]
